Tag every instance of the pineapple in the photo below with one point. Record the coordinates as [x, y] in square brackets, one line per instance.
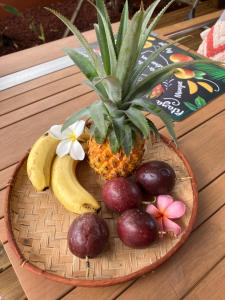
[109, 164]
[119, 127]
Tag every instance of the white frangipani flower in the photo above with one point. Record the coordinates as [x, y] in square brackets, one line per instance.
[69, 140]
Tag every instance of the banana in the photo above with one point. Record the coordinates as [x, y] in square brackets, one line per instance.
[40, 160]
[68, 190]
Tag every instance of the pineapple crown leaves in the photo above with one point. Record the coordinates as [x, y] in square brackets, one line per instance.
[118, 116]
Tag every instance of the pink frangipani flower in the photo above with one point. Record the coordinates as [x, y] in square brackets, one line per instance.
[166, 209]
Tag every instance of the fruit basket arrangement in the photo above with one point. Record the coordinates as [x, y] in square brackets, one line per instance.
[104, 197]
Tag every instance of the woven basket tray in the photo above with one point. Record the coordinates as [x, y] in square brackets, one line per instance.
[37, 226]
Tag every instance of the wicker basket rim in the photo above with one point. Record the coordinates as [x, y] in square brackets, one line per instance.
[99, 282]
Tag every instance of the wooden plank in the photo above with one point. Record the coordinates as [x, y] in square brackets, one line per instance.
[197, 154]
[43, 53]
[210, 200]
[200, 253]
[177, 16]
[40, 93]
[3, 234]
[5, 175]
[40, 123]
[204, 147]
[207, 207]
[104, 293]
[197, 118]
[42, 105]
[10, 288]
[200, 134]
[212, 286]
[178, 26]
[4, 261]
[30, 129]
[36, 287]
[44, 80]
[2, 195]
[218, 3]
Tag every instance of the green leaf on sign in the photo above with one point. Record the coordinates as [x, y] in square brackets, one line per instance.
[199, 101]
[199, 74]
[191, 106]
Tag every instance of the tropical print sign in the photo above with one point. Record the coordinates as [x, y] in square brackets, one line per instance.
[190, 88]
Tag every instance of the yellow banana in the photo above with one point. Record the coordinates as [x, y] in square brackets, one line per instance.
[68, 190]
[40, 160]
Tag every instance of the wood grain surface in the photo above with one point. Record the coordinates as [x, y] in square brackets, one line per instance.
[197, 269]
[212, 286]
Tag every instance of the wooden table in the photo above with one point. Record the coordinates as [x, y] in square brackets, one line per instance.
[197, 270]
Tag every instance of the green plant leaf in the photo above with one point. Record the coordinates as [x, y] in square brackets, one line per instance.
[97, 113]
[92, 55]
[97, 135]
[153, 128]
[118, 127]
[199, 101]
[152, 26]
[100, 4]
[103, 48]
[146, 85]
[139, 120]
[113, 88]
[11, 9]
[123, 27]
[76, 116]
[148, 14]
[99, 89]
[140, 68]
[127, 58]
[83, 62]
[107, 38]
[155, 110]
[127, 139]
[41, 36]
[191, 106]
[113, 141]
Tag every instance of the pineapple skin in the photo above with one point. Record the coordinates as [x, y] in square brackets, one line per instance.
[110, 165]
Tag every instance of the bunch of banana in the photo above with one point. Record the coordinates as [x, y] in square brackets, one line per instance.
[40, 161]
[44, 168]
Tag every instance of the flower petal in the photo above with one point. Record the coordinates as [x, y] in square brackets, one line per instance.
[163, 201]
[55, 131]
[175, 210]
[170, 226]
[63, 148]
[66, 133]
[77, 152]
[159, 222]
[153, 211]
[78, 127]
